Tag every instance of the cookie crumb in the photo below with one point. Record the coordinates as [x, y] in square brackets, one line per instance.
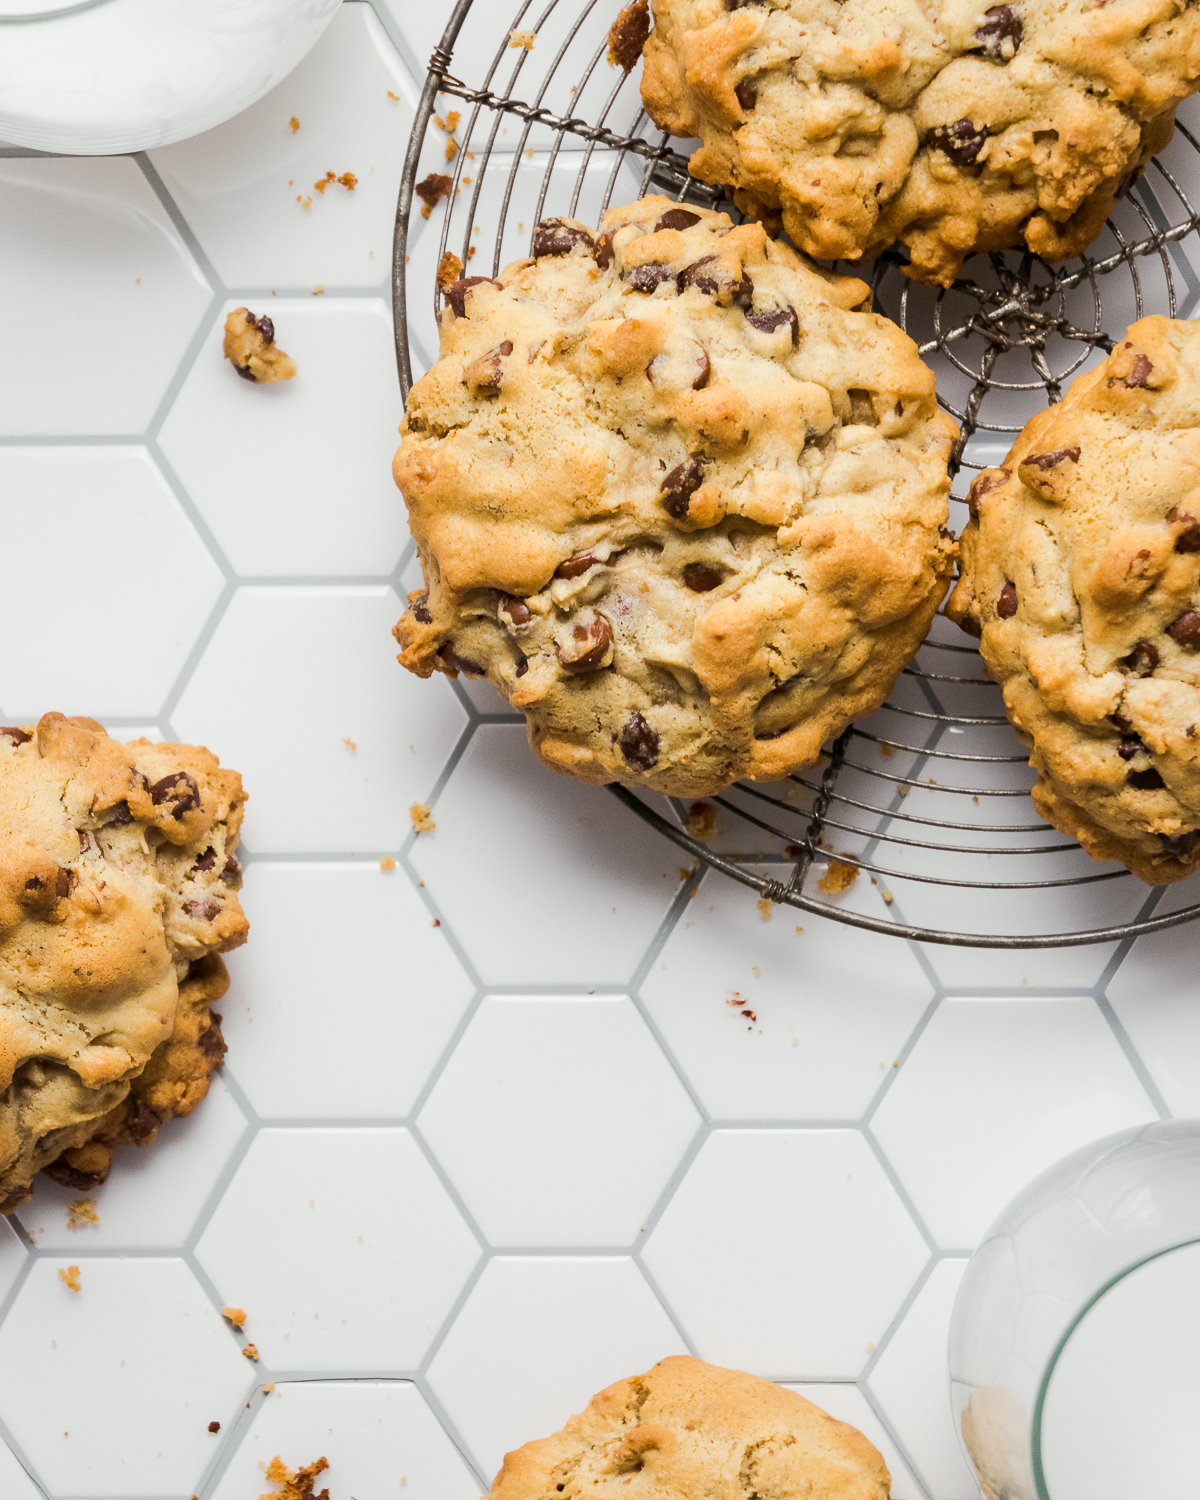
[451, 150]
[839, 877]
[251, 349]
[888, 898]
[80, 1212]
[346, 740]
[250, 1352]
[904, 790]
[214, 1427]
[450, 268]
[799, 929]
[295, 124]
[524, 39]
[627, 36]
[684, 872]
[764, 908]
[297, 1483]
[395, 98]
[234, 1315]
[268, 1388]
[318, 290]
[387, 863]
[70, 1277]
[431, 190]
[701, 821]
[886, 749]
[421, 821]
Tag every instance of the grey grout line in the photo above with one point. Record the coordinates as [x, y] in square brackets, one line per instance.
[902, 1448]
[887, 1082]
[173, 212]
[1133, 1057]
[900, 1190]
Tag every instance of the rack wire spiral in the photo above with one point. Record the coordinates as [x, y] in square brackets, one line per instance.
[557, 129]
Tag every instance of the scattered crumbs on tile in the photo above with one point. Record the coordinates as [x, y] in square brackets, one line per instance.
[395, 98]
[297, 1483]
[234, 1315]
[250, 1352]
[437, 922]
[933, 781]
[765, 908]
[69, 1278]
[684, 872]
[303, 202]
[421, 821]
[388, 863]
[886, 749]
[799, 929]
[451, 150]
[294, 123]
[318, 290]
[974, 799]
[81, 1211]
[346, 740]
[839, 877]
[214, 1427]
[896, 1064]
[529, 152]
[888, 897]
[582, 821]
[522, 38]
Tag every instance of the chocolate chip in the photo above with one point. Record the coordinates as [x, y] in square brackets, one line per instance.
[177, 787]
[120, 815]
[1186, 630]
[1188, 539]
[962, 142]
[514, 612]
[456, 293]
[142, 1123]
[701, 578]
[638, 742]
[1120, 721]
[67, 1176]
[458, 663]
[246, 373]
[647, 278]
[1046, 461]
[704, 370]
[556, 237]
[1145, 781]
[981, 485]
[522, 664]
[627, 35]
[1000, 34]
[603, 249]
[1006, 604]
[231, 872]
[576, 567]
[206, 861]
[779, 317]
[1180, 845]
[680, 485]
[746, 93]
[588, 646]
[85, 840]
[214, 1427]
[677, 218]
[1139, 377]
[715, 280]
[212, 1043]
[1130, 746]
[17, 735]
[267, 328]
[1142, 660]
[204, 910]
[420, 609]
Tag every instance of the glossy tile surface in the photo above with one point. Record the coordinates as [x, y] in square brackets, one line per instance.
[513, 1107]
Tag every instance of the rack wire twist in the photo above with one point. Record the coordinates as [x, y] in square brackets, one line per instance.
[1002, 341]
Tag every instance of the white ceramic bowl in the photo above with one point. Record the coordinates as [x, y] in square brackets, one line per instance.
[103, 76]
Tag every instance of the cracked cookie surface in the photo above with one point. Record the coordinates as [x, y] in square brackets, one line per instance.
[949, 127]
[118, 891]
[689, 1431]
[676, 497]
[1081, 567]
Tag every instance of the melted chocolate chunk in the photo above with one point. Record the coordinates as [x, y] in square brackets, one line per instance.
[1000, 34]
[1046, 461]
[746, 93]
[245, 372]
[962, 142]
[204, 911]
[70, 1177]
[1120, 721]
[680, 485]
[779, 317]
[1006, 604]
[231, 874]
[212, 1043]
[490, 370]
[647, 278]
[1142, 660]
[1180, 845]
[1186, 630]
[576, 567]
[456, 293]
[179, 788]
[514, 612]
[143, 1122]
[701, 578]
[703, 371]
[982, 485]
[1138, 378]
[206, 861]
[1130, 746]
[17, 735]
[638, 743]
[554, 237]
[1145, 781]
[588, 646]
[121, 814]
[677, 218]
[420, 609]
[457, 663]
[715, 280]
[1188, 539]
[522, 664]
[266, 327]
[603, 249]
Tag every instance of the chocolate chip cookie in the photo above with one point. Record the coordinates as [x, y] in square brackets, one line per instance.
[947, 127]
[687, 1429]
[118, 891]
[1081, 568]
[678, 495]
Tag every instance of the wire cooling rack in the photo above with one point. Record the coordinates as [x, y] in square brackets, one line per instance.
[918, 821]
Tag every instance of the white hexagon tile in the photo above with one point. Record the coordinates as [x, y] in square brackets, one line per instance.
[517, 1104]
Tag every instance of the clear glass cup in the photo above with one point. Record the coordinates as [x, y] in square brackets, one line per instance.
[1075, 1338]
[102, 76]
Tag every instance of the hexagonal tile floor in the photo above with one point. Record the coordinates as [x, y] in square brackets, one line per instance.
[512, 1107]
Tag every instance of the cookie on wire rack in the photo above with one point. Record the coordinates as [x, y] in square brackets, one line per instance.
[948, 127]
[678, 495]
[118, 893]
[1081, 569]
[686, 1430]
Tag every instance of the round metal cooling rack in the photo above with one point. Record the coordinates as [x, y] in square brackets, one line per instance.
[923, 808]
